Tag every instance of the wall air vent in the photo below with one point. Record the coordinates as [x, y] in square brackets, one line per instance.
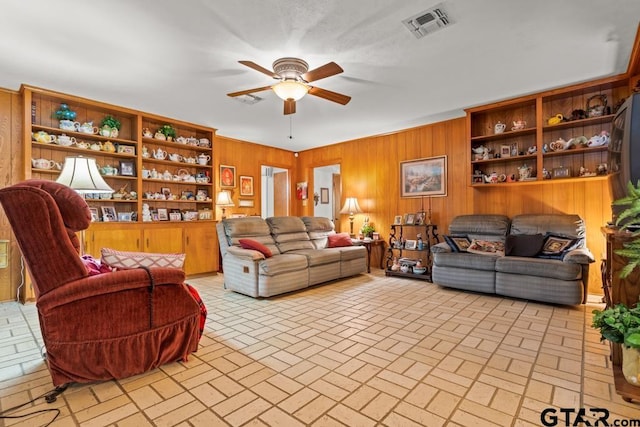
[428, 21]
[248, 99]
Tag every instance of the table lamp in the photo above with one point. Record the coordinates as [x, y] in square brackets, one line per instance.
[351, 207]
[224, 200]
[81, 174]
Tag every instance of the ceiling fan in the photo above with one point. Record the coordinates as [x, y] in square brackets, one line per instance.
[293, 81]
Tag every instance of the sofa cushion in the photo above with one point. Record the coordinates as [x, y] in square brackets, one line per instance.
[539, 268]
[289, 233]
[127, 260]
[484, 227]
[527, 245]
[282, 263]
[319, 229]
[339, 240]
[256, 246]
[556, 246]
[458, 243]
[568, 225]
[319, 256]
[486, 247]
[467, 261]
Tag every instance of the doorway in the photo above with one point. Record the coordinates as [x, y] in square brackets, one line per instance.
[275, 191]
[327, 189]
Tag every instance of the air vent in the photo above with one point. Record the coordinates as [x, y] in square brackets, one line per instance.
[248, 99]
[428, 21]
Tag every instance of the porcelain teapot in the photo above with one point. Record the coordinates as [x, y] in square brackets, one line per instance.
[499, 127]
[69, 125]
[108, 131]
[145, 152]
[159, 154]
[189, 159]
[108, 170]
[96, 146]
[519, 125]
[175, 157]
[167, 176]
[204, 142]
[83, 144]
[146, 173]
[146, 132]
[559, 145]
[492, 178]
[109, 147]
[524, 172]
[43, 163]
[86, 127]
[181, 140]
[203, 159]
[43, 137]
[599, 140]
[65, 140]
[160, 135]
[555, 119]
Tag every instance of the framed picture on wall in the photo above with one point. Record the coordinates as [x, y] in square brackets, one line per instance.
[301, 191]
[424, 177]
[246, 185]
[324, 196]
[227, 176]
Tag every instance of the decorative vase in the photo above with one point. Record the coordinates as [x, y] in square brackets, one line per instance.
[631, 364]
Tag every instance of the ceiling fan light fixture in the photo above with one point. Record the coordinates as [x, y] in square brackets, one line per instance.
[290, 89]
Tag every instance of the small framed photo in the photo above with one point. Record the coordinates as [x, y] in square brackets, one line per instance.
[166, 192]
[127, 168]
[227, 176]
[205, 214]
[190, 215]
[163, 215]
[410, 219]
[562, 172]
[95, 217]
[419, 218]
[376, 236]
[324, 196]
[246, 185]
[124, 216]
[187, 195]
[175, 216]
[397, 220]
[202, 194]
[410, 244]
[109, 214]
[505, 151]
[127, 149]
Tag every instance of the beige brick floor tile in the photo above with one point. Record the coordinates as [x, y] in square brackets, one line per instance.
[167, 388]
[314, 409]
[350, 417]
[506, 401]
[418, 415]
[233, 403]
[360, 397]
[472, 414]
[207, 394]
[179, 415]
[143, 397]
[421, 395]
[443, 404]
[277, 417]
[331, 391]
[539, 391]
[227, 386]
[298, 400]
[394, 419]
[167, 405]
[247, 412]
[207, 418]
[481, 393]
[135, 420]
[566, 398]
[364, 373]
[102, 408]
[388, 387]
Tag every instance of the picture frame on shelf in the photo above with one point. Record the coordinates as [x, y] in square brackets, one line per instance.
[410, 244]
[246, 185]
[127, 149]
[163, 214]
[505, 151]
[376, 235]
[187, 195]
[205, 214]
[324, 195]
[561, 172]
[175, 216]
[109, 214]
[410, 219]
[127, 168]
[424, 177]
[95, 216]
[202, 194]
[124, 216]
[227, 176]
[166, 192]
[397, 220]
[419, 218]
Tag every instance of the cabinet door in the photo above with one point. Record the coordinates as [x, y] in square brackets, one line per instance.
[112, 237]
[201, 248]
[165, 240]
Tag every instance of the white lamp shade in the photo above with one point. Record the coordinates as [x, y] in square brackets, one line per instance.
[224, 199]
[81, 174]
[290, 89]
[351, 206]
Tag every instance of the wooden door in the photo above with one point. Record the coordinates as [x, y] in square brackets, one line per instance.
[337, 196]
[280, 194]
[201, 249]
[165, 240]
[113, 237]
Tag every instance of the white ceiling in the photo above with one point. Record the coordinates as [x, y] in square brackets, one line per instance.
[179, 58]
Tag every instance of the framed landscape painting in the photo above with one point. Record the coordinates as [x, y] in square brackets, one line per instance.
[424, 177]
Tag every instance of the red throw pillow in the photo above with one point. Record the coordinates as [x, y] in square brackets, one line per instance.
[256, 246]
[339, 239]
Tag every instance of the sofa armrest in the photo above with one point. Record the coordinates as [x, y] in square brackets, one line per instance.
[441, 247]
[579, 256]
[249, 254]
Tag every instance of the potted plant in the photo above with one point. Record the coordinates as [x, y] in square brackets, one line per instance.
[367, 229]
[168, 131]
[621, 325]
[629, 219]
[110, 126]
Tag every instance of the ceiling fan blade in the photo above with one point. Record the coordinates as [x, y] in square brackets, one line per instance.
[259, 68]
[248, 91]
[289, 106]
[327, 70]
[331, 96]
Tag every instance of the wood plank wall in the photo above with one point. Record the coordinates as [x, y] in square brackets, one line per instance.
[11, 165]
[370, 171]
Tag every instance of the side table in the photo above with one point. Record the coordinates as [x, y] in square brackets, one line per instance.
[369, 244]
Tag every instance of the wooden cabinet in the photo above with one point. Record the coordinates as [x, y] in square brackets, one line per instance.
[619, 291]
[182, 182]
[529, 147]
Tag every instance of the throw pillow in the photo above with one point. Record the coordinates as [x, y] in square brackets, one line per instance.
[256, 246]
[458, 243]
[556, 246]
[486, 247]
[127, 260]
[526, 245]
[339, 240]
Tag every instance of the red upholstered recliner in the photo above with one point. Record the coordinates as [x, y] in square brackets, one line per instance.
[111, 325]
